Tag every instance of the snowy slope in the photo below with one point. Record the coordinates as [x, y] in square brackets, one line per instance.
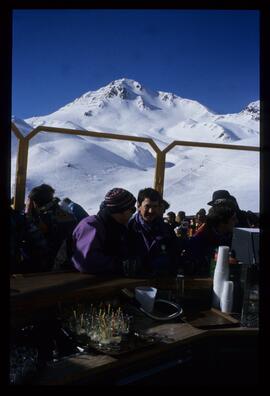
[85, 168]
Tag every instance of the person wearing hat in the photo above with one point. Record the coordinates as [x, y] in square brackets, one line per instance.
[154, 241]
[216, 231]
[220, 197]
[171, 220]
[100, 242]
[43, 210]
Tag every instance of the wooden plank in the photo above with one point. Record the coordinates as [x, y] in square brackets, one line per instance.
[225, 315]
[210, 319]
[23, 284]
[33, 283]
[174, 332]
[190, 283]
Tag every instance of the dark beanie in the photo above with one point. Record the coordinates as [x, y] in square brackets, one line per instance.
[118, 200]
[42, 194]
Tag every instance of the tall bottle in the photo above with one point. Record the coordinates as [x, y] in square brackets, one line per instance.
[192, 228]
[221, 274]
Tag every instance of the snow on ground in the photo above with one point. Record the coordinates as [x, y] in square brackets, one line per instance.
[84, 169]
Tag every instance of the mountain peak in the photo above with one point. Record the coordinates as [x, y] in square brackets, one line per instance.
[253, 108]
[124, 88]
[127, 83]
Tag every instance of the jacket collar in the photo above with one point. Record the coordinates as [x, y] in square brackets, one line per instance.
[154, 227]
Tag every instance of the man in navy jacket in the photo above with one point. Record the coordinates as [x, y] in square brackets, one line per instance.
[154, 242]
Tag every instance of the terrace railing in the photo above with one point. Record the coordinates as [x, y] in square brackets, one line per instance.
[158, 184]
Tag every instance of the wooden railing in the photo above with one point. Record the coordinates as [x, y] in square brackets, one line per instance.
[22, 157]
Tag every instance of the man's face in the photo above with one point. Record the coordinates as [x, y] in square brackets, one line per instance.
[149, 210]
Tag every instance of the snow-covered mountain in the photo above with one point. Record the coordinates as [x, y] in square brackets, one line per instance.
[86, 168]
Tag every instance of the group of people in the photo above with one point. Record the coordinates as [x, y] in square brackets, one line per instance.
[127, 236]
[185, 226]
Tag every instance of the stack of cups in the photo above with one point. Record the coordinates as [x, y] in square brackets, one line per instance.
[226, 301]
[221, 274]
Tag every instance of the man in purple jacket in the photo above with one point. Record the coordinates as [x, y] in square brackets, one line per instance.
[100, 242]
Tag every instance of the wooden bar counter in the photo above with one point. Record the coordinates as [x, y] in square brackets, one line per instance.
[203, 340]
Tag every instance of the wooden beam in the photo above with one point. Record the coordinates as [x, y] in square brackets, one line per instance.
[104, 135]
[160, 170]
[16, 131]
[210, 145]
[21, 170]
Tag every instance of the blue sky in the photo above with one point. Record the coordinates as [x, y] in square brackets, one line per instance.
[211, 56]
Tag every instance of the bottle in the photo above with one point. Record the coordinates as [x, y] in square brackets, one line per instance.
[177, 231]
[191, 229]
[250, 310]
[180, 285]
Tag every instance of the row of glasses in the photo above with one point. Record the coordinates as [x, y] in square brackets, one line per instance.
[103, 325]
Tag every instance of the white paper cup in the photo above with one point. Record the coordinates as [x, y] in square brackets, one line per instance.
[221, 274]
[146, 296]
[226, 301]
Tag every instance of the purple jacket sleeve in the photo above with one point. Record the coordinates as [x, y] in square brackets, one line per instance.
[88, 248]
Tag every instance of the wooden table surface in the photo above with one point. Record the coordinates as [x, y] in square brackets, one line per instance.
[96, 368]
[32, 294]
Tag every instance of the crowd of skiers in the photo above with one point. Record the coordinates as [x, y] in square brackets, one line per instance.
[127, 237]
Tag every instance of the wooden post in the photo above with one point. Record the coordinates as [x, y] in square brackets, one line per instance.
[21, 170]
[160, 171]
